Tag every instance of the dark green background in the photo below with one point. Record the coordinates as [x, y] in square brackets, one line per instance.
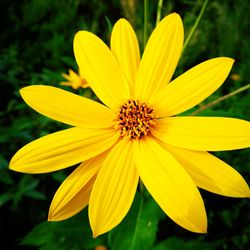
[36, 47]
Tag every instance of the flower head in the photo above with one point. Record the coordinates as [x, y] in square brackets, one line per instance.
[135, 133]
[74, 80]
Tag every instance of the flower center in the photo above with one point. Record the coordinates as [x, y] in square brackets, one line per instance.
[135, 119]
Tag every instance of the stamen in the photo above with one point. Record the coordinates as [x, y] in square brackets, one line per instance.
[135, 119]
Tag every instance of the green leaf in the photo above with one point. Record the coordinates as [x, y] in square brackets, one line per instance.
[138, 230]
[74, 233]
[36, 195]
[5, 176]
[59, 176]
[5, 198]
[25, 187]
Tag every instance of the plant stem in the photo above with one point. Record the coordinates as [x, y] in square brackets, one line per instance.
[145, 31]
[141, 186]
[195, 25]
[109, 24]
[209, 105]
[158, 14]
[136, 225]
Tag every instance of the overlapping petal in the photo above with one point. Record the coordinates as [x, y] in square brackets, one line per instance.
[160, 57]
[204, 133]
[62, 149]
[114, 189]
[73, 195]
[211, 173]
[102, 70]
[192, 87]
[67, 107]
[170, 185]
[125, 47]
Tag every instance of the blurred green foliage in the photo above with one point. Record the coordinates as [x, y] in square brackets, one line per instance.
[36, 47]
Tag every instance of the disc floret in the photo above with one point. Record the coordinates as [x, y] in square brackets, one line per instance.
[135, 119]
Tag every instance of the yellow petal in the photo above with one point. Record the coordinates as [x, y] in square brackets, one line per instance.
[211, 173]
[125, 47]
[67, 107]
[170, 185]
[114, 189]
[102, 70]
[160, 57]
[73, 195]
[67, 77]
[62, 149]
[204, 133]
[73, 75]
[192, 87]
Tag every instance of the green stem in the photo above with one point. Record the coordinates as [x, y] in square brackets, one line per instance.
[158, 14]
[141, 186]
[109, 24]
[145, 31]
[136, 225]
[209, 105]
[195, 25]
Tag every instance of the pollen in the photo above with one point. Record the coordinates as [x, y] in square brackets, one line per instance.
[135, 119]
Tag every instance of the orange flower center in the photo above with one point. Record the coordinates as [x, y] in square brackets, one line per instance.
[135, 119]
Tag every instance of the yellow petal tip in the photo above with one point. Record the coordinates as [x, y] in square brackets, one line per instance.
[13, 166]
[173, 16]
[228, 60]
[244, 193]
[122, 20]
[176, 16]
[51, 217]
[78, 35]
[231, 59]
[25, 92]
[202, 229]
[22, 90]
[54, 215]
[98, 231]
[95, 234]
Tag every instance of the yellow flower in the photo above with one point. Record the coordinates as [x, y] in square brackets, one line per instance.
[135, 132]
[235, 77]
[100, 248]
[74, 80]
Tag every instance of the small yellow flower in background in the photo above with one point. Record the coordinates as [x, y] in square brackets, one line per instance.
[135, 132]
[74, 80]
[235, 77]
[100, 248]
